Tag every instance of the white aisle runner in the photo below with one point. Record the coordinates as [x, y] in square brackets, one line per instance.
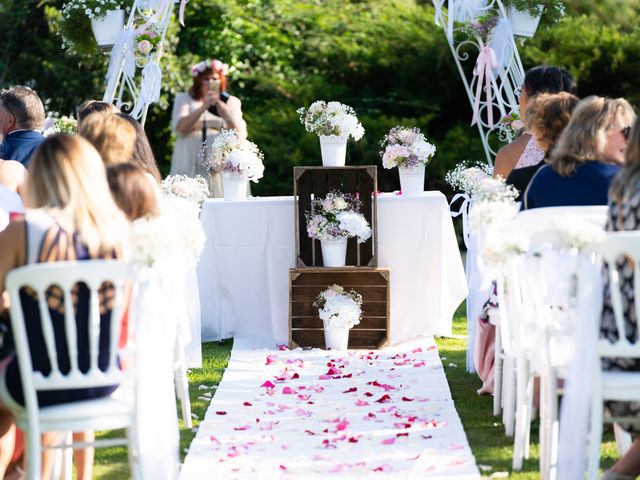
[281, 414]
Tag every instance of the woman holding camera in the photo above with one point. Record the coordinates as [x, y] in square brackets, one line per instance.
[199, 115]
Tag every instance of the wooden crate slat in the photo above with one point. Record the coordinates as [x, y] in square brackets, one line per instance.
[305, 326]
[317, 182]
[366, 323]
[306, 308]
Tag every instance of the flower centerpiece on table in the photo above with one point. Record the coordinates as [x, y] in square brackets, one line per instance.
[340, 310]
[510, 127]
[193, 189]
[334, 123]
[407, 149]
[74, 26]
[234, 156]
[332, 220]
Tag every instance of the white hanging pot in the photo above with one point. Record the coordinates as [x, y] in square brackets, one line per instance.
[108, 27]
[334, 252]
[336, 338]
[522, 23]
[334, 150]
[411, 180]
[234, 187]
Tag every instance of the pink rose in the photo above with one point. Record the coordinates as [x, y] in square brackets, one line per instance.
[517, 124]
[144, 46]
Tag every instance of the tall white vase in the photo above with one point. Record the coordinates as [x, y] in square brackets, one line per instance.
[522, 23]
[334, 252]
[235, 187]
[334, 150]
[411, 180]
[336, 338]
[108, 28]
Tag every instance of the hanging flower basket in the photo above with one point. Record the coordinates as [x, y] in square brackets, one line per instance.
[523, 23]
[82, 24]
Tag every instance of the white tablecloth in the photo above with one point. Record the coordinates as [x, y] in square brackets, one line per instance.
[243, 272]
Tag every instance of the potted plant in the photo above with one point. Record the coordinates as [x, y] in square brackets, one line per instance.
[80, 17]
[332, 220]
[239, 160]
[333, 122]
[340, 311]
[407, 149]
[525, 14]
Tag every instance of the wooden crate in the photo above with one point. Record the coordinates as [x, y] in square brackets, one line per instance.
[306, 327]
[313, 182]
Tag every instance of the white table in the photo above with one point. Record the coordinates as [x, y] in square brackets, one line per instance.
[243, 272]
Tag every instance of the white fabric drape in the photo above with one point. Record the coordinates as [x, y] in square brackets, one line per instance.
[244, 269]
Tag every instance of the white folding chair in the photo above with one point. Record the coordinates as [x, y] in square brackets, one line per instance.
[615, 385]
[112, 412]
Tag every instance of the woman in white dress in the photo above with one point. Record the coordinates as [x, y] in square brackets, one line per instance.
[200, 114]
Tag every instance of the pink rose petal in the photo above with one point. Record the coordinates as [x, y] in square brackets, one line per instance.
[243, 427]
[351, 390]
[407, 399]
[267, 384]
[343, 425]
[419, 364]
[389, 441]
[247, 404]
[361, 403]
[271, 359]
[288, 391]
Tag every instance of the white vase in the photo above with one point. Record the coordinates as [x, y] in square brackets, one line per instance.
[336, 338]
[108, 28]
[234, 187]
[334, 252]
[334, 150]
[411, 180]
[522, 23]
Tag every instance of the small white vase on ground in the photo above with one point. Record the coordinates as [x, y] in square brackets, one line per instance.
[108, 27]
[334, 150]
[334, 252]
[411, 180]
[522, 23]
[336, 338]
[234, 187]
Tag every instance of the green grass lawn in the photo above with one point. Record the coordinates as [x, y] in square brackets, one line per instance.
[490, 446]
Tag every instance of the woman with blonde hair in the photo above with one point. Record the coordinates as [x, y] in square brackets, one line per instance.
[113, 136]
[71, 216]
[587, 156]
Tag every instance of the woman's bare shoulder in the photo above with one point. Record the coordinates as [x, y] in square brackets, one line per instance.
[508, 156]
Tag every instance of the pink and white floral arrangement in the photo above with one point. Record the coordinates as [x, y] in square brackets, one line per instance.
[233, 155]
[339, 308]
[331, 119]
[510, 127]
[406, 147]
[337, 215]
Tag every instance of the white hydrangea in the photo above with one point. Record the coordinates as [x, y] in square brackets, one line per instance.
[355, 224]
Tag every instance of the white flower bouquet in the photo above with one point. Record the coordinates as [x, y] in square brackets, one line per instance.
[331, 119]
[493, 190]
[335, 216]
[338, 308]
[465, 176]
[510, 127]
[232, 155]
[576, 232]
[193, 189]
[490, 215]
[406, 147]
[176, 233]
[500, 246]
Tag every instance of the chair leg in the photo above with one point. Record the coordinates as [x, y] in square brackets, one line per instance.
[623, 439]
[497, 373]
[595, 437]
[522, 415]
[33, 452]
[182, 391]
[509, 396]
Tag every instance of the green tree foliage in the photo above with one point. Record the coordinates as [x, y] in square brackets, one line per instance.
[385, 58]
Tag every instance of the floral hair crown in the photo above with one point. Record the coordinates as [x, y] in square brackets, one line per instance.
[215, 65]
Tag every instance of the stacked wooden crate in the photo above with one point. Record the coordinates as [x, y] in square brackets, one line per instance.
[361, 274]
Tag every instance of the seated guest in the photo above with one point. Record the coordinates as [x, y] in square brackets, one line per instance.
[21, 123]
[547, 115]
[132, 191]
[624, 214]
[72, 217]
[142, 155]
[94, 106]
[111, 135]
[587, 156]
[523, 151]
